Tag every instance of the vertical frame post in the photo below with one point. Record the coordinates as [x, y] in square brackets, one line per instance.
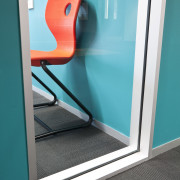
[27, 80]
[152, 74]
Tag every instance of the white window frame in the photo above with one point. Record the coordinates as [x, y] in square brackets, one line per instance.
[30, 4]
[150, 96]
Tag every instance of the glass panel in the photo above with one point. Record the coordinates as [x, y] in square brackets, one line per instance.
[100, 75]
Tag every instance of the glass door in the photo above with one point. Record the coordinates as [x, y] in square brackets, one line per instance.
[106, 74]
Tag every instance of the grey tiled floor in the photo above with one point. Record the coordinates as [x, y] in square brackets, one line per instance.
[163, 167]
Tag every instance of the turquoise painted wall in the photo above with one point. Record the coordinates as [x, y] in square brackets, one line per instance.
[13, 151]
[167, 122]
[101, 72]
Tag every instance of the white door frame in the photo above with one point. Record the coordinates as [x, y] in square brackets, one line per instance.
[27, 80]
[150, 96]
[152, 72]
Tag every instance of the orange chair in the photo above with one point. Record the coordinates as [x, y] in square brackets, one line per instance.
[63, 27]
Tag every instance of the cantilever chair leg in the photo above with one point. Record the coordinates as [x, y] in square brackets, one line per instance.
[47, 88]
[54, 78]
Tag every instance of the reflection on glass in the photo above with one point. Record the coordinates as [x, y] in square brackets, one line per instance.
[106, 9]
[115, 9]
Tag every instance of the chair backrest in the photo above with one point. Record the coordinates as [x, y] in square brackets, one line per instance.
[63, 26]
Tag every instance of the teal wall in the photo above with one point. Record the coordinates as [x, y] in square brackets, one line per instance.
[167, 122]
[101, 72]
[13, 151]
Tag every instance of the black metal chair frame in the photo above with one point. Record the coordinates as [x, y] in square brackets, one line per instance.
[52, 103]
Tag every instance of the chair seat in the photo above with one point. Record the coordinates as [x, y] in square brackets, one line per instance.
[56, 57]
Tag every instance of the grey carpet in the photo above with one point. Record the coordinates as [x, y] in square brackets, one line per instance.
[163, 167]
[68, 149]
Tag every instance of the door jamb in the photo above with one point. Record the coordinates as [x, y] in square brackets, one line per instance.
[27, 81]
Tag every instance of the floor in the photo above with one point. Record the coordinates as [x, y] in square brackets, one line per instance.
[68, 149]
[163, 167]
